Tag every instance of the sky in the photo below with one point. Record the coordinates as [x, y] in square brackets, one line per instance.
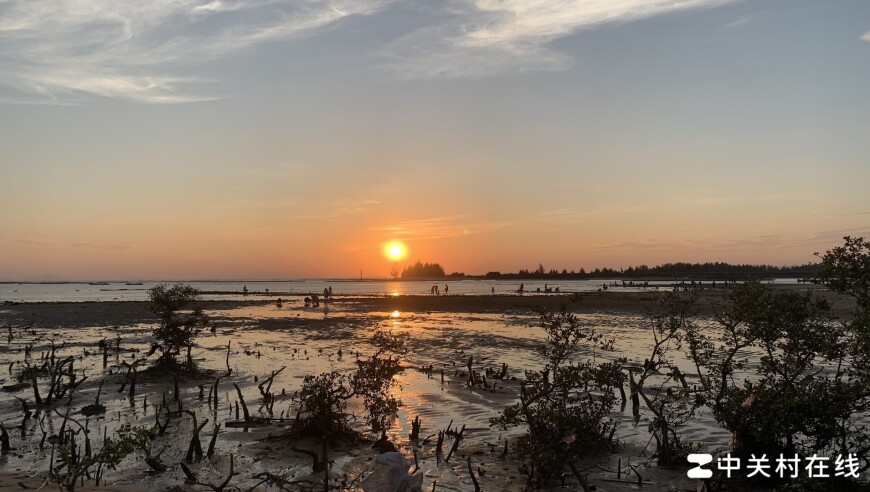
[199, 139]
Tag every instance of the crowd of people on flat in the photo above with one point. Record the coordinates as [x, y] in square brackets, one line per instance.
[315, 300]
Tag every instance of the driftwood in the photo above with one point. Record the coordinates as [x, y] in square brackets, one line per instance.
[154, 461]
[267, 383]
[195, 446]
[247, 424]
[439, 447]
[211, 443]
[213, 394]
[455, 444]
[95, 408]
[471, 474]
[161, 428]
[320, 461]
[58, 371]
[4, 440]
[415, 429]
[25, 410]
[242, 401]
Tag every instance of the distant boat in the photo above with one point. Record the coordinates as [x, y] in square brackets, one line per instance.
[134, 283]
[98, 283]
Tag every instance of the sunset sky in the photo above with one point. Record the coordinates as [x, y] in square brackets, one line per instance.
[194, 139]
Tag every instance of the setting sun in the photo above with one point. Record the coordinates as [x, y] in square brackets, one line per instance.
[395, 251]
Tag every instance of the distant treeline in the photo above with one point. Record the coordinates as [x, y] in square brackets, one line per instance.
[419, 269]
[717, 270]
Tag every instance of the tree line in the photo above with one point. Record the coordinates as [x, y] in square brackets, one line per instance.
[709, 270]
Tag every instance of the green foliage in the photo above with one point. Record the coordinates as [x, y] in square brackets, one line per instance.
[566, 405]
[324, 398]
[668, 320]
[419, 269]
[323, 404]
[846, 269]
[802, 396]
[78, 461]
[180, 316]
[373, 382]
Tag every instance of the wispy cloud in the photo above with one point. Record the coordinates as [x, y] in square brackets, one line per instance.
[68, 50]
[484, 37]
[866, 36]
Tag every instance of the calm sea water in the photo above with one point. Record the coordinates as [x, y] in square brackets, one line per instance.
[230, 290]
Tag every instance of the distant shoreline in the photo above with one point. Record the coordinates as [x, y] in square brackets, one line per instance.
[103, 313]
[505, 277]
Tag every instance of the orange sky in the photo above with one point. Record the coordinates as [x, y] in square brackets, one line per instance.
[181, 140]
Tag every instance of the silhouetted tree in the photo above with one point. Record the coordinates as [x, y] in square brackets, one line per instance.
[566, 405]
[420, 269]
[180, 315]
[785, 404]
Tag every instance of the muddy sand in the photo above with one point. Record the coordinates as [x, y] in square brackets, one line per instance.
[443, 332]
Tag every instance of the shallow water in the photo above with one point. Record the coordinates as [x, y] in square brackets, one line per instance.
[264, 338]
[231, 290]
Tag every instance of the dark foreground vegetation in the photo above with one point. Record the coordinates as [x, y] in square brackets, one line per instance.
[807, 394]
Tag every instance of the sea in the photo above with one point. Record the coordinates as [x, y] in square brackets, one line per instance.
[234, 289]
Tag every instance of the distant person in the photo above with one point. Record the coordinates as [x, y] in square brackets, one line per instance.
[493, 290]
[446, 288]
[330, 291]
[325, 293]
[522, 287]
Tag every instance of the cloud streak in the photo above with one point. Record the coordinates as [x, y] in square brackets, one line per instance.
[485, 37]
[69, 50]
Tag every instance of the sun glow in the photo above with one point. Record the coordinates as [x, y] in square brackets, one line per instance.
[395, 251]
